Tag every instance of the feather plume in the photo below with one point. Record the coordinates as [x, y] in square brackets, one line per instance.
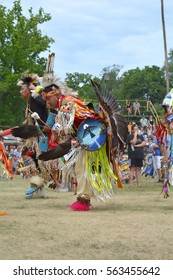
[109, 104]
[57, 152]
[25, 131]
[48, 77]
[50, 63]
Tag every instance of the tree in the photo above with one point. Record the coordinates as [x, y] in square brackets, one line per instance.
[21, 43]
[81, 83]
[148, 83]
[110, 78]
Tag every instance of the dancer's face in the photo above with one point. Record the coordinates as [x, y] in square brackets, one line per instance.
[25, 91]
[52, 101]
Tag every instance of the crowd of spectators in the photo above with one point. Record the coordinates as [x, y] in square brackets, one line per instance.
[14, 157]
[145, 128]
[158, 151]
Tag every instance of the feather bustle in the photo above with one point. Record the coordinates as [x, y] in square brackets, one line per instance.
[110, 105]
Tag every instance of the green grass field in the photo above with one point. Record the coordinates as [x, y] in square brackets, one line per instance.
[137, 224]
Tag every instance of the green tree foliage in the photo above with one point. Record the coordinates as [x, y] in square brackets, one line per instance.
[21, 43]
[111, 78]
[148, 83]
[81, 83]
[12, 106]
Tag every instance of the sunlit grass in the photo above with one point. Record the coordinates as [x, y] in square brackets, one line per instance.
[136, 224]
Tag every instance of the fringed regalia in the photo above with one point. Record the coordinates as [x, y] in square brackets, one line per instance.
[92, 167]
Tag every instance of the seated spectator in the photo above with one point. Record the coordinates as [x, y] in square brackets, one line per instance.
[136, 107]
[143, 121]
[129, 127]
[151, 122]
[128, 107]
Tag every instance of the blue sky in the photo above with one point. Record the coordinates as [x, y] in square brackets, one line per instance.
[90, 35]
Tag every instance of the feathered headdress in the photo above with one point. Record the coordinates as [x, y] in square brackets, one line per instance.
[28, 78]
[48, 78]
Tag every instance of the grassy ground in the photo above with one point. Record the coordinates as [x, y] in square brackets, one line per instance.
[137, 224]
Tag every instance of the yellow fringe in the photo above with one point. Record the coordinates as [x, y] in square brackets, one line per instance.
[95, 161]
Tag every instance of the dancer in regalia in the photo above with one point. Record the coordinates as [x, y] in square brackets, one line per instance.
[164, 134]
[91, 155]
[84, 149]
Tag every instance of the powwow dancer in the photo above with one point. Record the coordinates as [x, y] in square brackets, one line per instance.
[165, 131]
[31, 133]
[85, 144]
[89, 156]
[35, 139]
